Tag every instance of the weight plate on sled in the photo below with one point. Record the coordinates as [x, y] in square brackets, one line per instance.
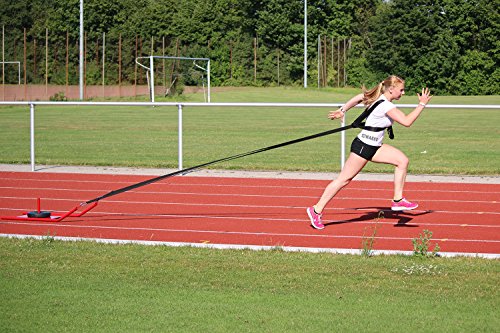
[41, 214]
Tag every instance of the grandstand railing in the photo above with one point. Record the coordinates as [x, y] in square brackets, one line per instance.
[32, 106]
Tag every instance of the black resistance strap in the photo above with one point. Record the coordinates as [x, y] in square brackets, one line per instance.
[194, 168]
[358, 123]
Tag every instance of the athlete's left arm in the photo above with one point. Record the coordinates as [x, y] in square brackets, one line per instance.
[403, 119]
[408, 119]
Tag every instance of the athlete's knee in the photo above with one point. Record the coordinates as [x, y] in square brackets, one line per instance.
[343, 182]
[403, 162]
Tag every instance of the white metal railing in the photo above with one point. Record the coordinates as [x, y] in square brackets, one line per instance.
[180, 106]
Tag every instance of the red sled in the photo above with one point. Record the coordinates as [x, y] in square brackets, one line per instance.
[46, 216]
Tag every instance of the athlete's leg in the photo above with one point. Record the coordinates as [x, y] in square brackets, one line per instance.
[390, 155]
[352, 167]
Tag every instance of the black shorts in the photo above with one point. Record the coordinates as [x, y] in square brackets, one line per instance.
[362, 149]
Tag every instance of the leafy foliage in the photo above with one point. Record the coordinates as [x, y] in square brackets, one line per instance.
[451, 46]
[447, 45]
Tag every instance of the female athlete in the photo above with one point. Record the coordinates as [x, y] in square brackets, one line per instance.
[368, 146]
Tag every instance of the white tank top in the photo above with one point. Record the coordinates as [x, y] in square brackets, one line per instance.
[377, 118]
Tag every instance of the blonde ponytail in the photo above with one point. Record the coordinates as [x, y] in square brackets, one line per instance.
[373, 94]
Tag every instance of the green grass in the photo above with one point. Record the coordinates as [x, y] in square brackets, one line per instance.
[49, 286]
[442, 141]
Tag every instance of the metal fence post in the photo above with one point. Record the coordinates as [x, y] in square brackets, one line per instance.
[342, 144]
[32, 135]
[179, 106]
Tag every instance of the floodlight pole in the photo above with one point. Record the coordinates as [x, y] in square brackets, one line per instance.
[305, 43]
[81, 49]
[3, 62]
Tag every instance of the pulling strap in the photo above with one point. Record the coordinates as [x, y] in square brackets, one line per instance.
[194, 168]
[358, 123]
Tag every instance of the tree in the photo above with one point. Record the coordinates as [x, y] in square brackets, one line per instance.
[449, 45]
[429, 43]
[475, 25]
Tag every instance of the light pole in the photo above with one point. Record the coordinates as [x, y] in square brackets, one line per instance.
[305, 43]
[81, 49]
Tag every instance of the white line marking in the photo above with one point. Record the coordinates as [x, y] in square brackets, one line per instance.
[319, 188]
[268, 219]
[245, 233]
[191, 204]
[340, 197]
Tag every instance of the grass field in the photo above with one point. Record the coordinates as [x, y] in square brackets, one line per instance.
[52, 286]
[442, 141]
[48, 285]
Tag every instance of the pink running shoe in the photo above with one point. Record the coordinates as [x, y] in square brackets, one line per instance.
[315, 218]
[403, 204]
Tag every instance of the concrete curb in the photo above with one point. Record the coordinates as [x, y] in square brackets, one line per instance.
[246, 174]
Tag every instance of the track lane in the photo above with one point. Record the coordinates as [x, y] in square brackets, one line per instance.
[256, 211]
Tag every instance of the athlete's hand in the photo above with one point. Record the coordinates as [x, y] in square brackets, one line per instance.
[425, 97]
[337, 114]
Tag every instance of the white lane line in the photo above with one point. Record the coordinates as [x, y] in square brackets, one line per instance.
[243, 233]
[118, 183]
[197, 204]
[248, 195]
[268, 219]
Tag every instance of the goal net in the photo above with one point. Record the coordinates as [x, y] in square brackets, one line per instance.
[171, 76]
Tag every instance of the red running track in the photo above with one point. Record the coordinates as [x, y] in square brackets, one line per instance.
[464, 218]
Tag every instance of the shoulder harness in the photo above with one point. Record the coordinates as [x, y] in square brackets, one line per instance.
[360, 121]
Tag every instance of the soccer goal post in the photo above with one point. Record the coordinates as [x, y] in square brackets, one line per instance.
[176, 72]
